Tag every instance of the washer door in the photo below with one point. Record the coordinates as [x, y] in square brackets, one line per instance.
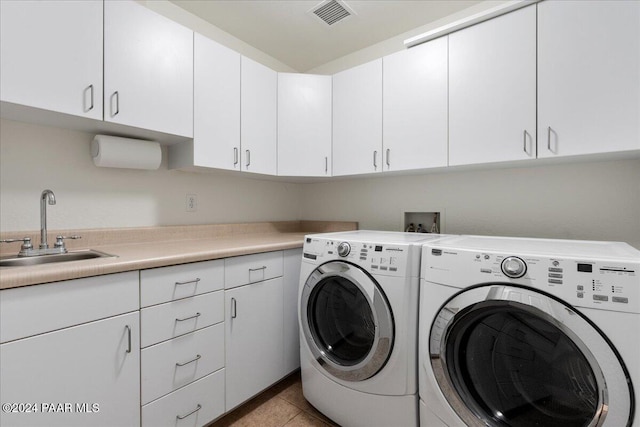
[511, 356]
[347, 321]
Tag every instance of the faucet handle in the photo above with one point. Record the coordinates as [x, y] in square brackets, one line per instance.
[60, 240]
[26, 243]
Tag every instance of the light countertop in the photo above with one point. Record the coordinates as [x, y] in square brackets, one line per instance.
[149, 254]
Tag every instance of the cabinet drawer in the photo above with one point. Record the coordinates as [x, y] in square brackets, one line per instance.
[164, 284]
[33, 310]
[175, 363]
[246, 269]
[175, 318]
[205, 397]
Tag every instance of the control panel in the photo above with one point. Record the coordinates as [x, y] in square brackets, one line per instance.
[594, 283]
[375, 258]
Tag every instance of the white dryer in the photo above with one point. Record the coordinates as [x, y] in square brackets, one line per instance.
[529, 332]
[358, 315]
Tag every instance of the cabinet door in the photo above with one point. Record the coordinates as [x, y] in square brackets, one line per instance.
[51, 55]
[357, 120]
[254, 339]
[258, 106]
[588, 77]
[216, 98]
[79, 376]
[415, 107]
[291, 277]
[492, 90]
[304, 125]
[148, 75]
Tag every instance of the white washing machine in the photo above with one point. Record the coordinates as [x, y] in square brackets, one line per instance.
[529, 332]
[358, 316]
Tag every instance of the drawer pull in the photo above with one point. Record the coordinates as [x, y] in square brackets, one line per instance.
[196, 280]
[190, 361]
[195, 316]
[264, 267]
[128, 338]
[190, 413]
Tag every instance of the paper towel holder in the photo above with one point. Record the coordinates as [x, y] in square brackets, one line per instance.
[126, 153]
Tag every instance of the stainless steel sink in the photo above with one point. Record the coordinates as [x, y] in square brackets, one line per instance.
[16, 261]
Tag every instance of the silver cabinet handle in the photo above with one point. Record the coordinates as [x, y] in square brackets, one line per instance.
[196, 280]
[235, 156]
[115, 95]
[190, 413]
[326, 164]
[375, 160]
[128, 328]
[234, 313]
[388, 152]
[248, 153]
[549, 130]
[524, 138]
[264, 267]
[195, 316]
[90, 89]
[198, 357]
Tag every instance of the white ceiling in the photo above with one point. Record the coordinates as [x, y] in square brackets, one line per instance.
[287, 31]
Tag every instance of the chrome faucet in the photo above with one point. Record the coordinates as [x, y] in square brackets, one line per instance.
[47, 196]
[27, 250]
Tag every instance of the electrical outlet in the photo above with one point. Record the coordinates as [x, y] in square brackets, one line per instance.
[192, 203]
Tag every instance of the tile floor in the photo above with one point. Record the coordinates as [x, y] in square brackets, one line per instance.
[279, 406]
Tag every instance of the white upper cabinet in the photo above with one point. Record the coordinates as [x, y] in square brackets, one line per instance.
[304, 125]
[357, 120]
[148, 76]
[51, 55]
[588, 77]
[258, 117]
[492, 90]
[216, 126]
[415, 107]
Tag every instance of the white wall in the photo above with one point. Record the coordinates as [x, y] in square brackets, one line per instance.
[37, 157]
[596, 200]
[599, 201]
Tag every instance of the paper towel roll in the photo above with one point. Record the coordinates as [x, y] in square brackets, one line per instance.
[116, 152]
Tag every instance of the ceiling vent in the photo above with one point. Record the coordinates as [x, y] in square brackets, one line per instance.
[332, 11]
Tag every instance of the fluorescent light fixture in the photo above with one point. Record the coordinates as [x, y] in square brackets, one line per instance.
[506, 7]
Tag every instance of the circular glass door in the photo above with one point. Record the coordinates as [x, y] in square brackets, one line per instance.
[503, 362]
[346, 321]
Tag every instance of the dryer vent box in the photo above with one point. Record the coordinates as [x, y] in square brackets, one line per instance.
[423, 222]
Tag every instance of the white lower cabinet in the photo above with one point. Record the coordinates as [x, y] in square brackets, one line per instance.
[182, 356]
[70, 353]
[85, 375]
[194, 405]
[81, 352]
[254, 339]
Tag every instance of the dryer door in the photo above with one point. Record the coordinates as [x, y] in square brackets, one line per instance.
[346, 321]
[510, 356]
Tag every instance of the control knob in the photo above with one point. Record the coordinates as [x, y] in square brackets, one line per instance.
[513, 267]
[344, 248]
